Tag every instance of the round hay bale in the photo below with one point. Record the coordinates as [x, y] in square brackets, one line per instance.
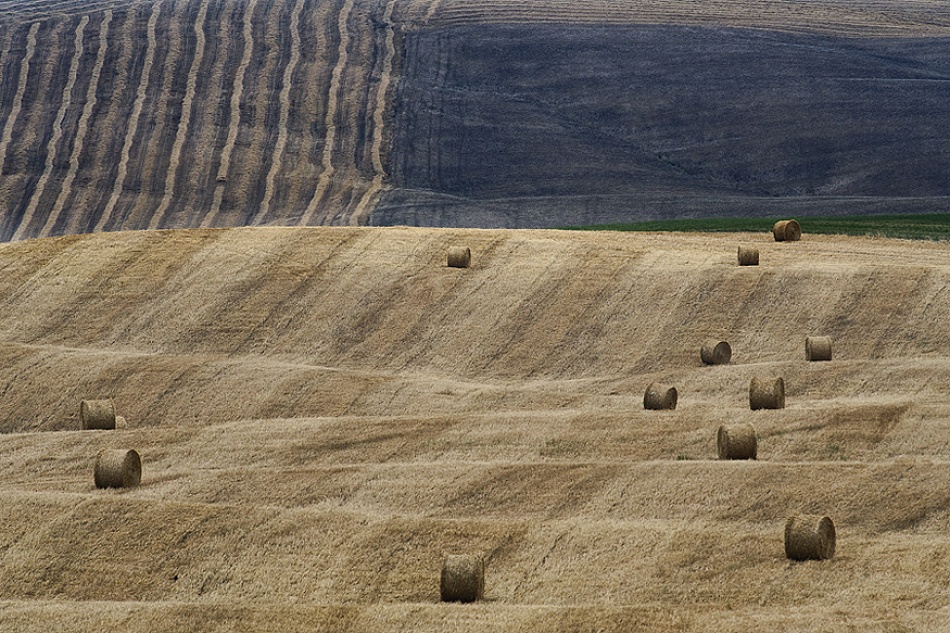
[748, 256]
[716, 352]
[736, 441]
[817, 348]
[97, 414]
[463, 578]
[767, 393]
[787, 231]
[810, 537]
[459, 257]
[659, 397]
[118, 468]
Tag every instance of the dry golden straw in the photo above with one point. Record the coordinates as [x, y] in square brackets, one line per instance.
[118, 468]
[736, 441]
[767, 393]
[809, 537]
[787, 231]
[817, 348]
[659, 397]
[463, 578]
[716, 352]
[459, 257]
[748, 256]
[97, 414]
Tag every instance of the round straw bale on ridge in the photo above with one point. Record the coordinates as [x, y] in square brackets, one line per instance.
[715, 352]
[787, 231]
[97, 414]
[748, 256]
[118, 468]
[460, 257]
[810, 537]
[736, 441]
[463, 578]
[767, 393]
[659, 397]
[817, 348]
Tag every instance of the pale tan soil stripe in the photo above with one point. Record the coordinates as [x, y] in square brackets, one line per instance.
[82, 127]
[247, 181]
[186, 113]
[284, 113]
[234, 118]
[133, 119]
[155, 152]
[194, 191]
[432, 10]
[4, 50]
[57, 134]
[334, 98]
[44, 9]
[860, 19]
[378, 120]
[107, 131]
[18, 96]
[37, 118]
[301, 172]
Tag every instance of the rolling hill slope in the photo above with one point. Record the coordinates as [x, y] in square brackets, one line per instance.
[323, 413]
[177, 113]
[144, 114]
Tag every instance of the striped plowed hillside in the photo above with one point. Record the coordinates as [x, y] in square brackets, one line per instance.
[144, 114]
[866, 17]
[181, 113]
[324, 413]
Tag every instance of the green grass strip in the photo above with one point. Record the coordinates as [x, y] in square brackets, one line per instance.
[932, 226]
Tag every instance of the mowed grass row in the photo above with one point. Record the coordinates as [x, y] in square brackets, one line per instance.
[931, 226]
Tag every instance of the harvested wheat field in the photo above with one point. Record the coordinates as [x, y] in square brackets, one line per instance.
[323, 415]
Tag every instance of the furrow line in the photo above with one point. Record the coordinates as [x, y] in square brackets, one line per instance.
[133, 119]
[261, 92]
[18, 96]
[4, 50]
[82, 128]
[186, 114]
[281, 143]
[369, 196]
[336, 87]
[433, 8]
[317, 29]
[234, 117]
[43, 9]
[57, 135]
[152, 168]
[107, 131]
[197, 186]
[37, 120]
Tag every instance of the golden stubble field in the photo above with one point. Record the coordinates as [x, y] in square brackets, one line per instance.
[324, 413]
